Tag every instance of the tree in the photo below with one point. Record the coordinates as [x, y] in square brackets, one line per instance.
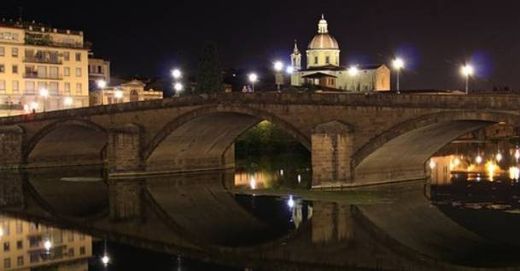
[209, 76]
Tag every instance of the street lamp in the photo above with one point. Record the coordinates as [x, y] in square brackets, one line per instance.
[467, 71]
[289, 70]
[44, 93]
[118, 94]
[68, 102]
[253, 78]
[398, 64]
[47, 245]
[178, 87]
[101, 84]
[176, 74]
[278, 68]
[353, 71]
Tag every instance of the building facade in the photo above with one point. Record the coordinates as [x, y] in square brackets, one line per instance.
[98, 69]
[132, 91]
[323, 68]
[41, 68]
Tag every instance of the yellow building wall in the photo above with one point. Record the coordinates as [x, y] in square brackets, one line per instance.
[322, 55]
[18, 88]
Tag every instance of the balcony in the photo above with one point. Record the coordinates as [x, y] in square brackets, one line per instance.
[35, 75]
[42, 60]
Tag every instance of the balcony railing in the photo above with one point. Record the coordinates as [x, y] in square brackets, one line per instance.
[42, 60]
[31, 75]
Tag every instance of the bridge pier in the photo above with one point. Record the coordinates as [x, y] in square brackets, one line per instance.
[11, 143]
[332, 149]
[125, 199]
[11, 190]
[124, 150]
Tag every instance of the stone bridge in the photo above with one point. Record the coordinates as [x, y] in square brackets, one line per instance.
[354, 139]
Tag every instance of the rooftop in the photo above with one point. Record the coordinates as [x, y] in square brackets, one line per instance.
[37, 27]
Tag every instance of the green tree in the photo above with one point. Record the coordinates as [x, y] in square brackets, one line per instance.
[209, 76]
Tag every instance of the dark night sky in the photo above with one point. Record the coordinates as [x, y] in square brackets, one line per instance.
[435, 36]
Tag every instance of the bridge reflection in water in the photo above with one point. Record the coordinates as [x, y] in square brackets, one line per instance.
[197, 216]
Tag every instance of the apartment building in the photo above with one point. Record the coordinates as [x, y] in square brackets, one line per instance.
[41, 68]
[25, 246]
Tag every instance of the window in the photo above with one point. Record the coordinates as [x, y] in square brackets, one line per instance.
[327, 59]
[16, 88]
[78, 56]
[42, 85]
[71, 234]
[42, 71]
[54, 88]
[15, 69]
[2, 68]
[66, 56]
[67, 88]
[78, 88]
[66, 71]
[78, 72]
[70, 253]
[14, 52]
[53, 72]
[29, 87]
[2, 85]
[7, 263]
[7, 246]
[82, 251]
[2, 51]
[19, 261]
[19, 244]
[315, 60]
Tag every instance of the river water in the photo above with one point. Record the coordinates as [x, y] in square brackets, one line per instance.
[259, 217]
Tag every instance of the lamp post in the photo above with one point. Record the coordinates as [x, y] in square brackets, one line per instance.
[118, 94]
[398, 64]
[176, 74]
[353, 71]
[467, 71]
[178, 87]
[278, 68]
[253, 78]
[101, 84]
[68, 102]
[44, 93]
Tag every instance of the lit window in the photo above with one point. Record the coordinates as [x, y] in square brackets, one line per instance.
[16, 88]
[78, 88]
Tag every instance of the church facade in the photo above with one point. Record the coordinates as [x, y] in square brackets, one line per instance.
[323, 68]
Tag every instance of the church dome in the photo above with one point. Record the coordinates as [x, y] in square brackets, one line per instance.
[323, 40]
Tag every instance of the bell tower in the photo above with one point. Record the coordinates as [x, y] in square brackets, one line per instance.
[296, 57]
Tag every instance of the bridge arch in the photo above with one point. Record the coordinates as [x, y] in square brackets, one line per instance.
[203, 138]
[66, 142]
[401, 152]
